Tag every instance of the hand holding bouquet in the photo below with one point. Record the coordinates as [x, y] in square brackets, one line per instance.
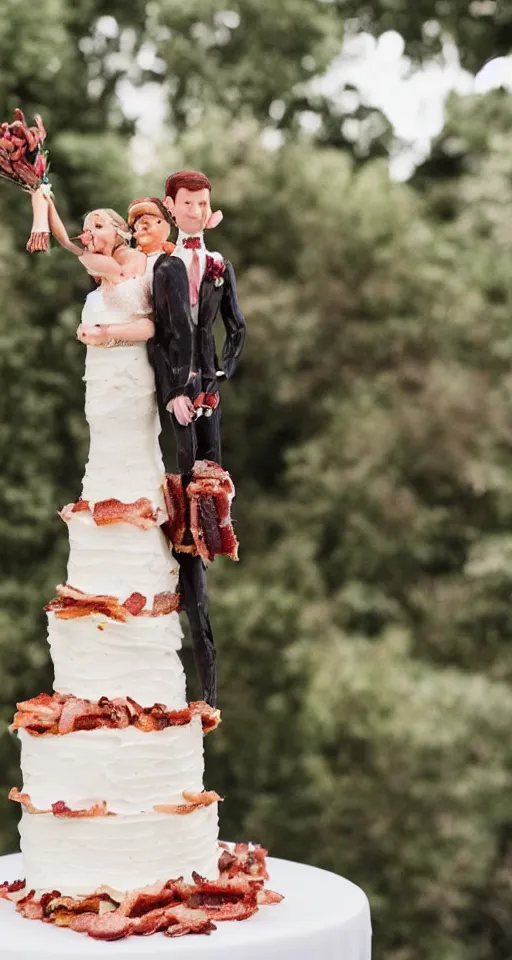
[24, 161]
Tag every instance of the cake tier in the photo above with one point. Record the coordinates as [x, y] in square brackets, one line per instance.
[129, 769]
[95, 657]
[120, 406]
[119, 559]
[76, 856]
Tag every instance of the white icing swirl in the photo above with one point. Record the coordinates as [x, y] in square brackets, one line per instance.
[119, 559]
[96, 657]
[76, 856]
[130, 769]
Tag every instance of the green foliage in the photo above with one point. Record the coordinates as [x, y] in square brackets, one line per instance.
[363, 638]
[480, 29]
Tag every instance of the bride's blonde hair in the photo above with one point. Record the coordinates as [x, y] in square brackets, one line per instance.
[111, 216]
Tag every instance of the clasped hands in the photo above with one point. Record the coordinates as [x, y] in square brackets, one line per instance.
[183, 409]
[96, 336]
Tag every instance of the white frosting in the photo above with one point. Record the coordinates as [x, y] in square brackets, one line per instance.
[130, 769]
[76, 856]
[119, 559]
[96, 657]
[120, 406]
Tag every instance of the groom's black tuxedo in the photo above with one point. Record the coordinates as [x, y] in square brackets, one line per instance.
[183, 353]
[185, 362]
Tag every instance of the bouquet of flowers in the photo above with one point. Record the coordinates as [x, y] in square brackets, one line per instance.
[24, 161]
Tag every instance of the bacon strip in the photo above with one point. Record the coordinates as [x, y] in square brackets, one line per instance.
[45, 715]
[71, 603]
[135, 604]
[59, 809]
[210, 493]
[174, 908]
[140, 513]
[24, 798]
[193, 802]
[9, 890]
[166, 603]
[175, 501]
[244, 858]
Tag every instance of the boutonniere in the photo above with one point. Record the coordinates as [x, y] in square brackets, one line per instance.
[214, 270]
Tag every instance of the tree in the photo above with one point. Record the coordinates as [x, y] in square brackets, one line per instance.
[481, 29]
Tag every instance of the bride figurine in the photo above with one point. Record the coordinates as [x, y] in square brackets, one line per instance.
[116, 323]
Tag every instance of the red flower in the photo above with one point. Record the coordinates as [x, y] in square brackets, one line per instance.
[214, 270]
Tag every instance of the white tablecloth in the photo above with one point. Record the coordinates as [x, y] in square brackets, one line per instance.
[323, 917]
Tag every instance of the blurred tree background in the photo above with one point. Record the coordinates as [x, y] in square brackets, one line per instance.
[364, 637]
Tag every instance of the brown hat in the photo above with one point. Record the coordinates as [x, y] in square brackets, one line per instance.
[147, 205]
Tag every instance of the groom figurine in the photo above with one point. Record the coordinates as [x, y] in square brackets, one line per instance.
[190, 287]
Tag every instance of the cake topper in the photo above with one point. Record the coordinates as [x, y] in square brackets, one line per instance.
[190, 288]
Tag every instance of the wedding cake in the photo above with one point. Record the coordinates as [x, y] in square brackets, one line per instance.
[130, 781]
[113, 797]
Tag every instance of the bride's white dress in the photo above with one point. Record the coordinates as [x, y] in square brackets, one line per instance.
[120, 401]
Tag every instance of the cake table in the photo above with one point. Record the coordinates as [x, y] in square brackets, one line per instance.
[323, 917]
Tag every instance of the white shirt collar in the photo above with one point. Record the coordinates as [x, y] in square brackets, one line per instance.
[186, 236]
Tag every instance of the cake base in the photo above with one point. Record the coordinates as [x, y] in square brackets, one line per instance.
[322, 915]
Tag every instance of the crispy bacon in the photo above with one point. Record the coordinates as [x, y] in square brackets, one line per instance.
[42, 713]
[210, 493]
[193, 802]
[135, 604]
[79, 506]
[55, 906]
[204, 507]
[268, 898]
[175, 501]
[108, 926]
[182, 920]
[175, 908]
[71, 603]
[210, 716]
[29, 907]
[7, 890]
[24, 798]
[59, 809]
[140, 513]
[62, 714]
[138, 902]
[166, 603]
[227, 899]
[244, 858]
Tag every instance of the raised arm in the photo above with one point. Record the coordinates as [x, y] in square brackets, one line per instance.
[59, 231]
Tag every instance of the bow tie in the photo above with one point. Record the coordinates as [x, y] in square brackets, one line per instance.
[192, 243]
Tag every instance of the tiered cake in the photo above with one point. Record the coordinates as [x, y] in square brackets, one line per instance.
[113, 762]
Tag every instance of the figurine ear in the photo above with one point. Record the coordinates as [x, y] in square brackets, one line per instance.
[214, 220]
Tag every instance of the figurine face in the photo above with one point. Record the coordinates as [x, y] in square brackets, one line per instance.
[150, 232]
[99, 234]
[191, 209]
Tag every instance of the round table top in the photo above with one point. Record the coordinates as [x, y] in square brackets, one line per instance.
[322, 916]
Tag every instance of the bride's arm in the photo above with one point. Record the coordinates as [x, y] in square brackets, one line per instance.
[113, 334]
[102, 267]
[59, 231]
[127, 265]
